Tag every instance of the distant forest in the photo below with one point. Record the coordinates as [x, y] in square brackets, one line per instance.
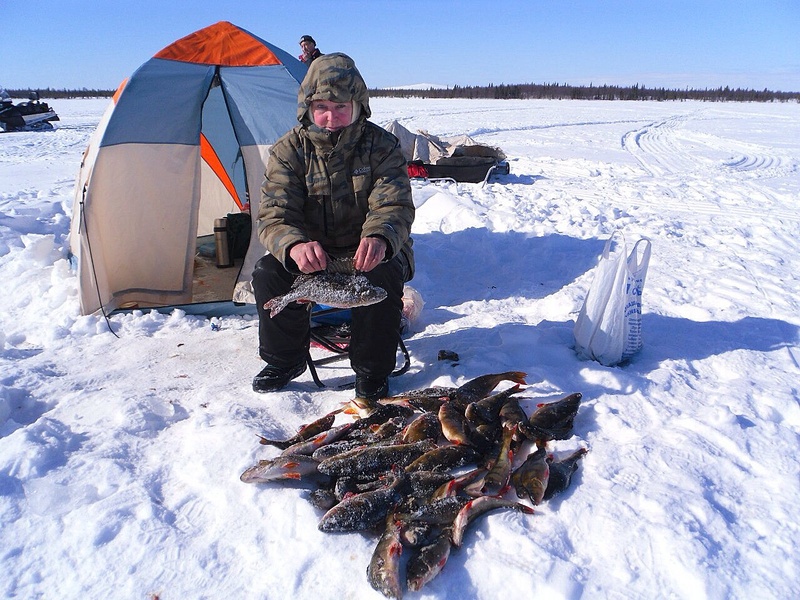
[563, 91]
[525, 91]
[51, 93]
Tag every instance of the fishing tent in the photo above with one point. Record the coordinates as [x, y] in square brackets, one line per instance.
[184, 142]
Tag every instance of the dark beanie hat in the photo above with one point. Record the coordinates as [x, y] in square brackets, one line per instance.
[307, 38]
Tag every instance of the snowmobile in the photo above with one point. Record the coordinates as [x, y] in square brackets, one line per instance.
[31, 115]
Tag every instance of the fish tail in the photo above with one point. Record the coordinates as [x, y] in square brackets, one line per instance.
[518, 377]
[274, 306]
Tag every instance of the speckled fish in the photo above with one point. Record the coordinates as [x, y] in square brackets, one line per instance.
[305, 432]
[531, 478]
[438, 512]
[323, 498]
[428, 561]
[454, 427]
[422, 484]
[475, 508]
[482, 386]
[561, 473]
[383, 572]
[512, 415]
[441, 458]
[488, 409]
[339, 290]
[496, 480]
[368, 462]
[554, 421]
[282, 468]
[415, 534]
[424, 427]
[362, 512]
[427, 399]
[457, 484]
[310, 445]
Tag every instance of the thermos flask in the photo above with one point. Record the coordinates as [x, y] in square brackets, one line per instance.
[221, 242]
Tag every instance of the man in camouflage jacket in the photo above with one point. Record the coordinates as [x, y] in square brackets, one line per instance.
[334, 189]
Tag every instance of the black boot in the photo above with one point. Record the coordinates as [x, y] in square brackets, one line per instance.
[272, 378]
[371, 389]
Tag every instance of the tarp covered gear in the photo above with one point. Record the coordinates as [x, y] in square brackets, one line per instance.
[458, 157]
[184, 141]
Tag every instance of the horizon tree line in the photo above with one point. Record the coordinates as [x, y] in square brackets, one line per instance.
[525, 91]
[564, 91]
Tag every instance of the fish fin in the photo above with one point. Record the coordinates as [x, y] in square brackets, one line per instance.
[342, 265]
[518, 377]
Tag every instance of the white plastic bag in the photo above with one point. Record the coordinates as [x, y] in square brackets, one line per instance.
[412, 307]
[609, 326]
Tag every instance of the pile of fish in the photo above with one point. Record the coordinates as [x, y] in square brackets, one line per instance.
[417, 468]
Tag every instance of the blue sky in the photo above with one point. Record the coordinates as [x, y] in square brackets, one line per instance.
[670, 43]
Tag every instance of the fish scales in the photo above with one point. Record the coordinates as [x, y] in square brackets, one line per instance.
[392, 469]
[383, 572]
[362, 512]
[554, 421]
[428, 562]
[373, 460]
[531, 478]
[339, 290]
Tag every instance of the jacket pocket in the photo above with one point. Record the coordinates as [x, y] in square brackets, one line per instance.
[362, 186]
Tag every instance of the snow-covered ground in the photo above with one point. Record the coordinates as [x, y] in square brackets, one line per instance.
[120, 457]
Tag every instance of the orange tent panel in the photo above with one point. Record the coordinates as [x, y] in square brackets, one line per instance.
[209, 155]
[220, 44]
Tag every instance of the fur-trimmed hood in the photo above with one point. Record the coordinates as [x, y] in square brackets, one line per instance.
[332, 77]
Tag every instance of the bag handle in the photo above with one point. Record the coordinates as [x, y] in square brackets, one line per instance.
[610, 240]
[635, 263]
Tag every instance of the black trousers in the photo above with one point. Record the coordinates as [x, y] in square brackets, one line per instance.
[283, 340]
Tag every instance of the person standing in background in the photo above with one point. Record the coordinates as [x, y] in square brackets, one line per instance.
[310, 50]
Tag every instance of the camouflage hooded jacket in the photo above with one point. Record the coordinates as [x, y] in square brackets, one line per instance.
[335, 188]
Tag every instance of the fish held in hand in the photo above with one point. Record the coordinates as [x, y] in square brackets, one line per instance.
[339, 290]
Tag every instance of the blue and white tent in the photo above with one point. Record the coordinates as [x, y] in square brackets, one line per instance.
[185, 141]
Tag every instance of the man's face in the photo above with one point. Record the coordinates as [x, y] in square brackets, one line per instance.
[307, 47]
[331, 115]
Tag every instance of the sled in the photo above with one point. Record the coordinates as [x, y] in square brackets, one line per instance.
[464, 169]
[459, 158]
